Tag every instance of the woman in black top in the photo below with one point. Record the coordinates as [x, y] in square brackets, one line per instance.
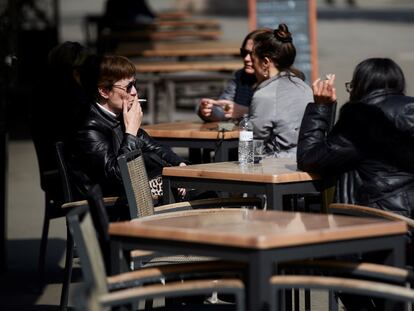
[371, 147]
[112, 125]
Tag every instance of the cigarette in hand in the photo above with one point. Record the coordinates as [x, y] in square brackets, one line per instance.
[142, 100]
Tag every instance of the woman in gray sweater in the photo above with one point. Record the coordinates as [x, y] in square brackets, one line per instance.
[279, 101]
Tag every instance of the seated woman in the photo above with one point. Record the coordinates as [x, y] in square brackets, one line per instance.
[112, 126]
[236, 97]
[371, 147]
[281, 96]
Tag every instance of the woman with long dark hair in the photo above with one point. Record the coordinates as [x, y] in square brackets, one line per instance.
[371, 147]
[235, 100]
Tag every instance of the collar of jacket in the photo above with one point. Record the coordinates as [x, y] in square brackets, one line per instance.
[114, 122]
[378, 96]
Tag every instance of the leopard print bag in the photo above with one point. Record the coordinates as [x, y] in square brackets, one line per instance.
[156, 187]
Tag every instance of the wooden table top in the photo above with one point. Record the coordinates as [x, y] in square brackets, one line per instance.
[178, 49]
[189, 130]
[255, 228]
[176, 66]
[166, 24]
[270, 170]
[182, 23]
[170, 34]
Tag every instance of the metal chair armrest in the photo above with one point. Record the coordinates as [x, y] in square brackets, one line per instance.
[227, 286]
[355, 286]
[108, 201]
[359, 210]
[210, 203]
[172, 271]
[352, 269]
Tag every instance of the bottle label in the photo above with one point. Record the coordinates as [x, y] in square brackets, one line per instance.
[245, 135]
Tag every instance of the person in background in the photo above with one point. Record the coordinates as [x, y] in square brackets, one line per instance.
[123, 12]
[280, 98]
[54, 116]
[236, 97]
[112, 126]
[351, 3]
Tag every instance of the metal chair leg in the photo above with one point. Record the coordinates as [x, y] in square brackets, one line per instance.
[287, 300]
[307, 300]
[333, 302]
[296, 295]
[43, 241]
[64, 297]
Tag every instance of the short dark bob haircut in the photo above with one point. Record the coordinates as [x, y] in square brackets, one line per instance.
[104, 71]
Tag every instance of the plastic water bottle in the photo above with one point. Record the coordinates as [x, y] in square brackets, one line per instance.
[246, 141]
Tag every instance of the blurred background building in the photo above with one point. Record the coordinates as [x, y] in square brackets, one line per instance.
[346, 35]
[29, 28]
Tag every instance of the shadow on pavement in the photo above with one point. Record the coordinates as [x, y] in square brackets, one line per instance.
[21, 286]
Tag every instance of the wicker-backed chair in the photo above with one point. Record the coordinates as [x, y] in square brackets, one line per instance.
[128, 288]
[140, 200]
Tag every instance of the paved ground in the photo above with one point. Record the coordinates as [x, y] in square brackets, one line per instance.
[346, 36]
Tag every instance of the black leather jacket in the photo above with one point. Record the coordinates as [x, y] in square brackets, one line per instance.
[101, 139]
[370, 148]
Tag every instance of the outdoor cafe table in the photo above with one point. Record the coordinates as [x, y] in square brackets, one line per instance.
[214, 65]
[180, 49]
[195, 135]
[274, 177]
[261, 239]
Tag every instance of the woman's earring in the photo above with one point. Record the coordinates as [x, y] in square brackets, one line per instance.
[266, 72]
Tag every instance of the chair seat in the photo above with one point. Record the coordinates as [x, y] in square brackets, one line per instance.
[159, 259]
